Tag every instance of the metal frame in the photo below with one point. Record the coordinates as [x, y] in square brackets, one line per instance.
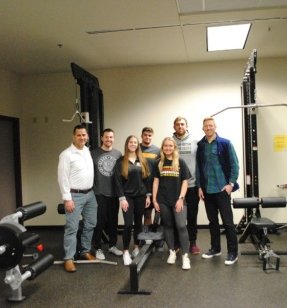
[135, 269]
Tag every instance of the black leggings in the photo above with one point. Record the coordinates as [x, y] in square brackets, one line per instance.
[133, 214]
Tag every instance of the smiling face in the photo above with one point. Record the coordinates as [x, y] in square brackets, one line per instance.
[209, 129]
[168, 148]
[132, 144]
[80, 138]
[180, 127]
[107, 140]
[146, 138]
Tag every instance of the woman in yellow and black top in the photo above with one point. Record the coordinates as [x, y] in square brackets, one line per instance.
[169, 189]
[133, 189]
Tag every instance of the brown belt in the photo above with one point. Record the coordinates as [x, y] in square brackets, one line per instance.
[80, 191]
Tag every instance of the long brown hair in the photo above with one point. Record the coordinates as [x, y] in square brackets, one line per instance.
[175, 155]
[142, 160]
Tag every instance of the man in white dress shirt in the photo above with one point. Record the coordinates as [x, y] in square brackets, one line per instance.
[75, 178]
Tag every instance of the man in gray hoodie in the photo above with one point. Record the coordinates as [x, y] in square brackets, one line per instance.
[187, 147]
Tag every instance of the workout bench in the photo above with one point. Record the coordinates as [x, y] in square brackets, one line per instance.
[154, 234]
[258, 227]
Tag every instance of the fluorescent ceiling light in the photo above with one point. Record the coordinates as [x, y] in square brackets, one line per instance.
[227, 37]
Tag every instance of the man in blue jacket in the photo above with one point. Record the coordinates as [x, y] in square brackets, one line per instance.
[217, 173]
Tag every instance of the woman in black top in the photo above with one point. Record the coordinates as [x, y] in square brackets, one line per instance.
[132, 187]
[169, 189]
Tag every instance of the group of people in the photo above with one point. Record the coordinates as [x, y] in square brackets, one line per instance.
[171, 179]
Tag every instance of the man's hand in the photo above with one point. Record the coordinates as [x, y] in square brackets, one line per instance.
[69, 206]
[200, 194]
[228, 188]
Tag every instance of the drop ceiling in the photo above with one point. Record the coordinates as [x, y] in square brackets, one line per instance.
[38, 36]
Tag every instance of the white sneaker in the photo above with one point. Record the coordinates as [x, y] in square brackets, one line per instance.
[172, 257]
[127, 258]
[100, 254]
[115, 251]
[185, 262]
[135, 252]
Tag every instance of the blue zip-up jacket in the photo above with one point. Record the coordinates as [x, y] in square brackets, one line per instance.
[229, 168]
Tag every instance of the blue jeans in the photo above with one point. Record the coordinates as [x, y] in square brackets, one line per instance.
[85, 206]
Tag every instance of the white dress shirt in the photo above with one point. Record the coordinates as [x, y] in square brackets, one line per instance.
[75, 170]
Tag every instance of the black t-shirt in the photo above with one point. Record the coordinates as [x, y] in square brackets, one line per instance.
[170, 181]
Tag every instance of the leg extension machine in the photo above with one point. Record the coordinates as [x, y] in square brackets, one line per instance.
[258, 227]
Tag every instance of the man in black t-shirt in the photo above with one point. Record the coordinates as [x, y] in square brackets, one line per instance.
[150, 152]
[105, 158]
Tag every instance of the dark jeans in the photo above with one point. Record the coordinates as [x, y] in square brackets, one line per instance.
[108, 211]
[133, 214]
[221, 202]
[192, 201]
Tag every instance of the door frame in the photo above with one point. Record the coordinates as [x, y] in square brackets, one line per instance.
[17, 157]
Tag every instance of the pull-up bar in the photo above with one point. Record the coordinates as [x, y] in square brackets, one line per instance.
[253, 106]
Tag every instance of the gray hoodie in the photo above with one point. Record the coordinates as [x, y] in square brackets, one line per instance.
[187, 147]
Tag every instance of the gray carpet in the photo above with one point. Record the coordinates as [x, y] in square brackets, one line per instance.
[209, 283]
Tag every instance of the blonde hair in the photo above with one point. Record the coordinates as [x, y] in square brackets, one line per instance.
[142, 160]
[175, 155]
[208, 119]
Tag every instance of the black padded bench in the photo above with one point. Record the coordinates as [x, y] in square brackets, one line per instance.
[258, 227]
[153, 234]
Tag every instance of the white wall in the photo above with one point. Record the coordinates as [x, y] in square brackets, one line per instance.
[271, 89]
[140, 96]
[47, 99]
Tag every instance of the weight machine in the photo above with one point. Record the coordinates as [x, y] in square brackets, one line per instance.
[14, 240]
[252, 224]
[258, 227]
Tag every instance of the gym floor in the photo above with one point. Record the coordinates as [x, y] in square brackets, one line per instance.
[209, 283]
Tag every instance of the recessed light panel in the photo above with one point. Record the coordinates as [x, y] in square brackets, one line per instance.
[227, 37]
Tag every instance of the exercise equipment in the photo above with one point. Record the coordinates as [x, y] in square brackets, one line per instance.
[89, 262]
[151, 234]
[249, 108]
[83, 116]
[282, 186]
[14, 240]
[258, 227]
[92, 103]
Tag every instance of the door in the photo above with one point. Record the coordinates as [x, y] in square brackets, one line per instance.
[10, 166]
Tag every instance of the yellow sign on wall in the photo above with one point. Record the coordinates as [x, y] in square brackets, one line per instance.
[280, 143]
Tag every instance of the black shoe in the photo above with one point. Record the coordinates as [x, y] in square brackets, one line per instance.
[210, 254]
[231, 258]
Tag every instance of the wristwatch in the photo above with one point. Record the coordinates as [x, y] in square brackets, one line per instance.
[231, 184]
[181, 197]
